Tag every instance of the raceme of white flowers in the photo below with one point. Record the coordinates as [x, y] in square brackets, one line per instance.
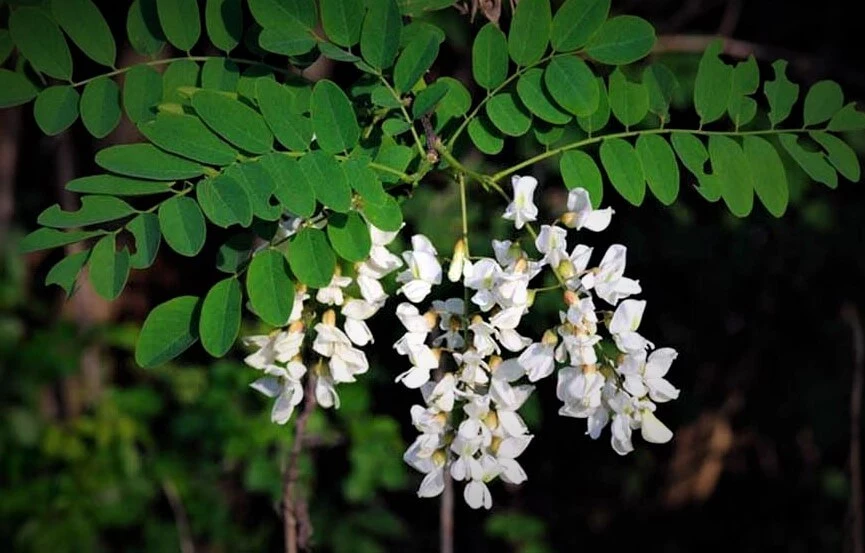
[472, 365]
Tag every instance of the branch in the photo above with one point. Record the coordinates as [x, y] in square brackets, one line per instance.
[295, 516]
[184, 534]
[851, 316]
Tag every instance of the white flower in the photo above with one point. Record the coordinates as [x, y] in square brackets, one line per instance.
[482, 276]
[626, 320]
[647, 376]
[450, 314]
[483, 340]
[441, 394]
[284, 385]
[300, 296]
[424, 269]
[325, 391]
[609, 282]
[458, 261]
[473, 368]
[552, 242]
[433, 483]
[266, 354]
[653, 430]
[582, 214]
[580, 391]
[356, 312]
[332, 293]
[476, 493]
[506, 454]
[345, 360]
[539, 358]
[523, 209]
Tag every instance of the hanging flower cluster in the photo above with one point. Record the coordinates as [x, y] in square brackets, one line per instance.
[473, 367]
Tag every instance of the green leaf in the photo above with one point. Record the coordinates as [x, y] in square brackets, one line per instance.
[147, 162]
[109, 268]
[333, 118]
[182, 225]
[782, 95]
[824, 100]
[745, 81]
[283, 13]
[547, 134]
[713, 84]
[6, 45]
[275, 102]
[47, 238]
[579, 170]
[288, 40]
[379, 37]
[224, 21]
[220, 74]
[840, 155]
[142, 92]
[327, 179]
[349, 236]
[628, 100]
[382, 96]
[65, 272]
[234, 252]
[178, 74]
[113, 185]
[342, 20]
[180, 22]
[694, 156]
[659, 166]
[622, 39]
[529, 32]
[395, 156]
[219, 324]
[294, 192]
[573, 85]
[416, 8]
[93, 210]
[55, 109]
[234, 121]
[224, 201]
[100, 106]
[15, 89]
[336, 53]
[624, 169]
[537, 98]
[508, 114]
[40, 40]
[428, 98]
[270, 289]
[485, 136]
[814, 164]
[364, 180]
[169, 330]
[490, 57]
[260, 186]
[84, 24]
[769, 177]
[386, 215]
[576, 21]
[417, 57]
[848, 119]
[661, 84]
[143, 29]
[731, 167]
[187, 136]
[601, 116]
[312, 261]
[455, 103]
[145, 230]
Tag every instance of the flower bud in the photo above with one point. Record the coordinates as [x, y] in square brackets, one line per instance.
[521, 266]
[455, 272]
[494, 445]
[570, 297]
[437, 353]
[549, 338]
[494, 363]
[329, 317]
[439, 457]
[296, 326]
[530, 297]
[491, 421]
[431, 318]
[320, 368]
[569, 219]
[476, 319]
[590, 368]
[566, 269]
[441, 418]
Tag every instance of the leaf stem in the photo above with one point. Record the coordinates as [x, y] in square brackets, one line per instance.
[405, 115]
[629, 134]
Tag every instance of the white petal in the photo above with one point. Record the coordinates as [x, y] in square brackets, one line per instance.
[653, 430]
[433, 484]
[268, 386]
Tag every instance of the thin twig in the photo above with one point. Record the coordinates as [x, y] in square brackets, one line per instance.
[184, 534]
[446, 514]
[294, 514]
[851, 316]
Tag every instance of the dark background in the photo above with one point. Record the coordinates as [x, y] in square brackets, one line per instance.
[99, 455]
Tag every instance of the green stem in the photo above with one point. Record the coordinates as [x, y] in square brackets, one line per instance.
[405, 115]
[171, 60]
[629, 134]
